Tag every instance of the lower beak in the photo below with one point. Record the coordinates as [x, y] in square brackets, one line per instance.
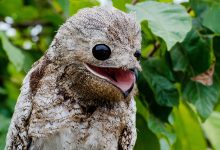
[126, 93]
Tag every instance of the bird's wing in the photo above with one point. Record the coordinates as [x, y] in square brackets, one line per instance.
[17, 137]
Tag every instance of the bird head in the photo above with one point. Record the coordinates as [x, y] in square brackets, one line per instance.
[104, 44]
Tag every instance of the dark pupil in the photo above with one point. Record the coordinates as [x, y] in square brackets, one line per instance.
[137, 54]
[101, 52]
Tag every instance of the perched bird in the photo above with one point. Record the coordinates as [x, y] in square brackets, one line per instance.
[79, 95]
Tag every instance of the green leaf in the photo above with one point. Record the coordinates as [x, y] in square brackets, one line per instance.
[188, 130]
[193, 55]
[201, 6]
[23, 14]
[120, 4]
[148, 40]
[206, 13]
[3, 130]
[168, 21]
[161, 129]
[165, 1]
[145, 138]
[2, 91]
[179, 58]
[212, 129]
[51, 17]
[212, 19]
[141, 109]
[216, 45]
[75, 5]
[17, 10]
[9, 7]
[20, 59]
[203, 97]
[164, 90]
[65, 6]
[147, 99]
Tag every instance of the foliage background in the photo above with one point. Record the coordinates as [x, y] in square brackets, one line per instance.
[178, 105]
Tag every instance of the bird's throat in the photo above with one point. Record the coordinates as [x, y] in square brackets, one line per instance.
[121, 78]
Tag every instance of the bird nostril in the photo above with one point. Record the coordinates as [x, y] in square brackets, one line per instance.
[137, 54]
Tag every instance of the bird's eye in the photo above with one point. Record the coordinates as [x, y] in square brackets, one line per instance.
[101, 51]
[137, 54]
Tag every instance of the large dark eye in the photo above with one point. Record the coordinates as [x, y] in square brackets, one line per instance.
[101, 51]
[137, 54]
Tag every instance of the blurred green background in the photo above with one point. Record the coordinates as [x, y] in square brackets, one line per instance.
[178, 105]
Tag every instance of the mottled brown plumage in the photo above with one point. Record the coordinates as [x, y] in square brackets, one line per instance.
[63, 105]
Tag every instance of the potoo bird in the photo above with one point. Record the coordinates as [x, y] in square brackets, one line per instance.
[79, 95]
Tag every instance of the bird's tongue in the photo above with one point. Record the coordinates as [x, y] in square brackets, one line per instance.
[123, 79]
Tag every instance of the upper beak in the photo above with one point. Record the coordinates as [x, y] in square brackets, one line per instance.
[135, 70]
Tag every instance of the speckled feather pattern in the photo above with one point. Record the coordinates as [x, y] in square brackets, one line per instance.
[62, 105]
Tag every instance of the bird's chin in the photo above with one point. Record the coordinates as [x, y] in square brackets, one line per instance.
[122, 79]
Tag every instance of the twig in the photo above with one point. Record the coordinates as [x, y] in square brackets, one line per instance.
[156, 47]
[134, 2]
[189, 9]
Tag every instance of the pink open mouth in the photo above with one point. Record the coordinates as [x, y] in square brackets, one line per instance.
[123, 79]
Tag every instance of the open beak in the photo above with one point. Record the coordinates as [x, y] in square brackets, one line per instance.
[122, 79]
